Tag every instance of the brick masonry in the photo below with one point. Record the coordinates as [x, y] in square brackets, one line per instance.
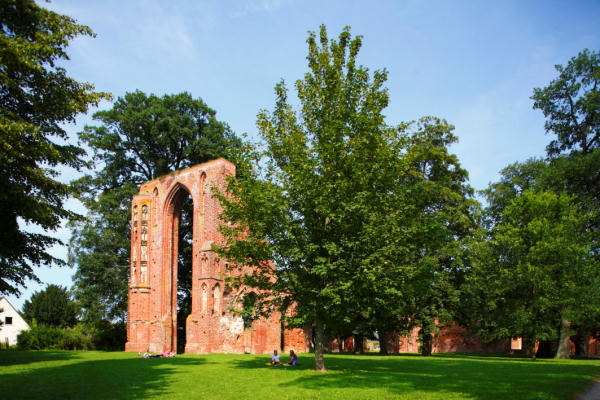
[152, 306]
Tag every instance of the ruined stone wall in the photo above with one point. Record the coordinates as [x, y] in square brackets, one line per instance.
[297, 339]
[455, 338]
[152, 307]
[452, 338]
[403, 343]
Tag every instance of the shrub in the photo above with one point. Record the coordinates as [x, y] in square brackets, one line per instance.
[42, 337]
[110, 336]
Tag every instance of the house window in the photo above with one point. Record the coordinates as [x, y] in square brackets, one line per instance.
[8, 320]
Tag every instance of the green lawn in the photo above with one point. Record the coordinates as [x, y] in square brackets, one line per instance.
[105, 375]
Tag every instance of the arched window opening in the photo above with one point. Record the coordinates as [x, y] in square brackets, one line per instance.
[249, 310]
[180, 207]
[204, 266]
[217, 300]
[204, 298]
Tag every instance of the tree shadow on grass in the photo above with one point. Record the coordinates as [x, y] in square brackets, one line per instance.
[8, 358]
[123, 377]
[486, 356]
[475, 377]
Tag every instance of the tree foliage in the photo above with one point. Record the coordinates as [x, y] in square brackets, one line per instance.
[141, 138]
[329, 216]
[46, 337]
[571, 104]
[536, 272]
[36, 98]
[52, 306]
[444, 217]
[537, 269]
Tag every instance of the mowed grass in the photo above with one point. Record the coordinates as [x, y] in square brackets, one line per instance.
[118, 375]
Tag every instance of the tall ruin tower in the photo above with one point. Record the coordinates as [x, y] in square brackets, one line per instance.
[152, 308]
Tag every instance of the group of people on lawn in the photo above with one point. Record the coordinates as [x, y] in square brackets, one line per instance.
[276, 359]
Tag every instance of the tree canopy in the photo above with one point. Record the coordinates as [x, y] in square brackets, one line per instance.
[51, 306]
[324, 214]
[571, 104]
[536, 268]
[36, 98]
[535, 274]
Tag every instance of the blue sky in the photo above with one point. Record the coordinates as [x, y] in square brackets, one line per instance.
[474, 63]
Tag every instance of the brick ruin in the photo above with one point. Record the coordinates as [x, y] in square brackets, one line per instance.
[152, 304]
[211, 327]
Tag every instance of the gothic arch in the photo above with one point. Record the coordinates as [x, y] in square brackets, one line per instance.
[217, 296]
[178, 193]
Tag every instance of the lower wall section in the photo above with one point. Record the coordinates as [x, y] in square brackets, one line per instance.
[228, 334]
[452, 338]
[297, 339]
[210, 334]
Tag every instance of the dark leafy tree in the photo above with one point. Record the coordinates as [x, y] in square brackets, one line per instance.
[536, 272]
[571, 104]
[141, 138]
[445, 215]
[36, 98]
[52, 306]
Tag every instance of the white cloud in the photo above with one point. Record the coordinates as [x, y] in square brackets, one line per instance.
[260, 6]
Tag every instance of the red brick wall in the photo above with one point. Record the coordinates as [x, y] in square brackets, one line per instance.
[452, 338]
[297, 339]
[152, 308]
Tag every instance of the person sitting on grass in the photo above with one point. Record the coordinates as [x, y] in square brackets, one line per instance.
[293, 359]
[275, 359]
[147, 354]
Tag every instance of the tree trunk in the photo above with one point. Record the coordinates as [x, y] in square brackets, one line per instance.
[319, 345]
[426, 343]
[340, 343]
[532, 347]
[545, 349]
[359, 340]
[383, 342]
[582, 342]
[565, 337]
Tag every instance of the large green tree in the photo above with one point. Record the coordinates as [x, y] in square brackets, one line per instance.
[518, 267]
[52, 306]
[536, 272]
[141, 138]
[326, 211]
[36, 98]
[571, 105]
[445, 215]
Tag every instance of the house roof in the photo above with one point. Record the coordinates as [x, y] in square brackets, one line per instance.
[3, 299]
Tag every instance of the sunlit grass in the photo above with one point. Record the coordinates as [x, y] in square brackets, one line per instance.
[99, 375]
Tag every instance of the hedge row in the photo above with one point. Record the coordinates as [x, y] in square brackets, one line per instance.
[41, 337]
[105, 336]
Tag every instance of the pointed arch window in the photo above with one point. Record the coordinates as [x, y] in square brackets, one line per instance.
[217, 299]
[204, 298]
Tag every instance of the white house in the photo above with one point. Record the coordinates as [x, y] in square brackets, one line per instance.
[12, 323]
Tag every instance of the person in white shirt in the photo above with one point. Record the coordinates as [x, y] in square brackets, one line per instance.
[275, 358]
